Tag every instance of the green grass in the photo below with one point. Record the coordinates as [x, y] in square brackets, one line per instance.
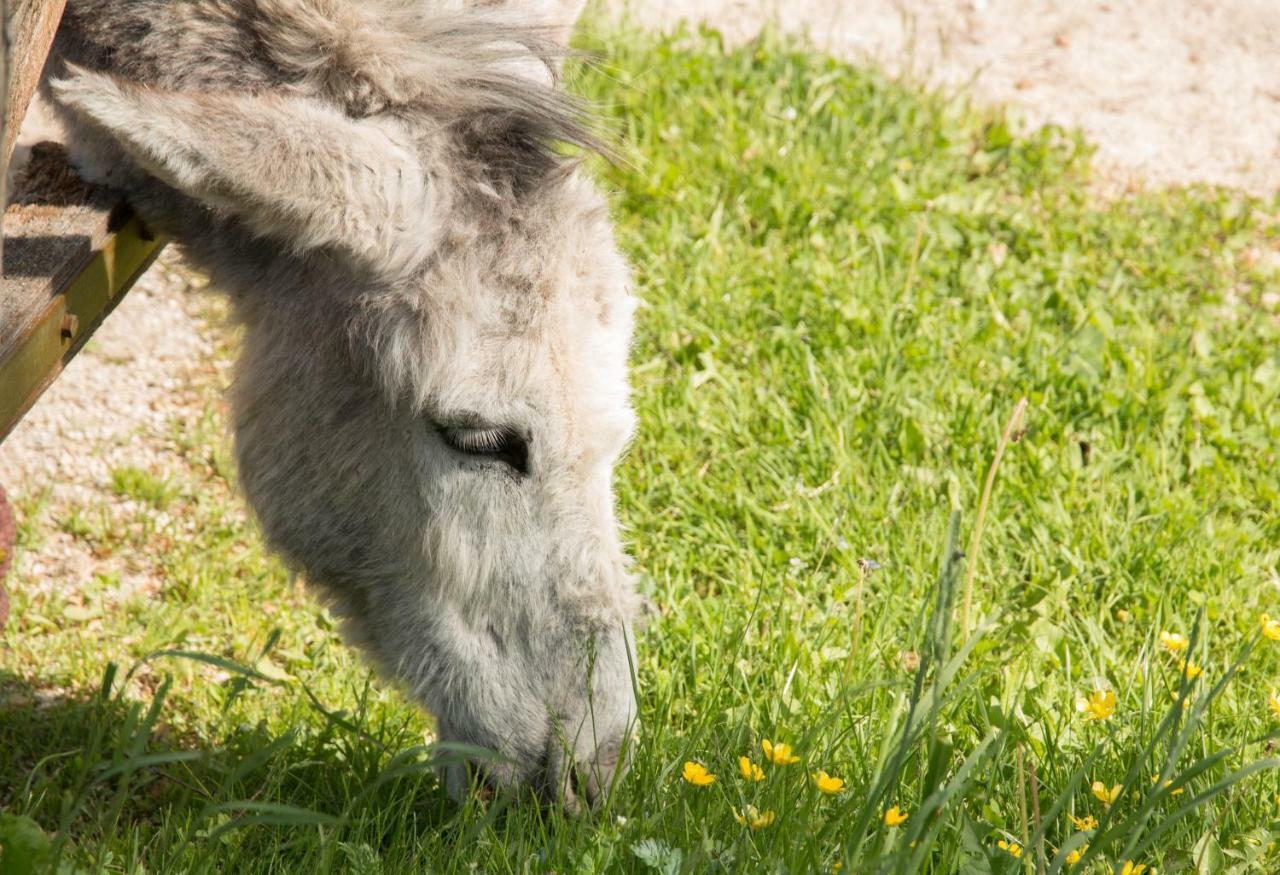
[849, 284]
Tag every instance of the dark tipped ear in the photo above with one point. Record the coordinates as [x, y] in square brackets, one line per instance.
[291, 168]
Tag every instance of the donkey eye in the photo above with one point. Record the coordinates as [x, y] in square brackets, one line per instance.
[496, 444]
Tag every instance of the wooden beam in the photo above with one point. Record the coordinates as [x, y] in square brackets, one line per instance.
[72, 251]
[31, 25]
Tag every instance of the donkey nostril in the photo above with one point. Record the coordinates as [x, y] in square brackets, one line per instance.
[560, 778]
[596, 785]
[578, 789]
[602, 774]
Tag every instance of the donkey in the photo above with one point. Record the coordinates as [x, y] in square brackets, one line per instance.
[431, 391]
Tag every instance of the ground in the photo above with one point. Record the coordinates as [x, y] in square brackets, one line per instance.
[849, 284]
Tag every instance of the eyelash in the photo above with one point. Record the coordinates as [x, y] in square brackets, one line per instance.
[472, 441]
[499, 444]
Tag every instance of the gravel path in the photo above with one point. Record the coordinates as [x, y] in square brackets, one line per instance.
[1172, 91]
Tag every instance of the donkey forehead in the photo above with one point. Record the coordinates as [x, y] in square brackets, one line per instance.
[527, 321]
[543, 358]
[562, 382]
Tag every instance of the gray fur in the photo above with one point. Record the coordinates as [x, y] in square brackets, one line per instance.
[376, 186]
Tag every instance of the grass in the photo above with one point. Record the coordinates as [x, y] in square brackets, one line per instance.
[849, 285]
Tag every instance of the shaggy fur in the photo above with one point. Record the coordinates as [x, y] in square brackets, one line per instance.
[376, 185]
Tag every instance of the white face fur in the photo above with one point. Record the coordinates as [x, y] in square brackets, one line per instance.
[498, 592]
[528, 417]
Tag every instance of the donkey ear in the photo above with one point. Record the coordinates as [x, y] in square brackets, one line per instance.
[290, 168]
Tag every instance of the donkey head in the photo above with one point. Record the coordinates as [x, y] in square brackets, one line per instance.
[432, 390]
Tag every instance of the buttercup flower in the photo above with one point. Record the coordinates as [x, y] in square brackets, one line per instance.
[1074, 856]
[1273, 702]
[1190, 669]
[1086, 822]
[779, 754]
[1132, 868]
[895, 816]
[1105, 796]
[1173, 642]
[1098, 706]
[826, 783]
[1011, 847]
[754, 818]
[1176, 792]
[1270, 628]
[697, 774]
[750, 771]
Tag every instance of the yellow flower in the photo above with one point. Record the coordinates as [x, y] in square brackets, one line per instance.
[750, 771]
[826, 783]
[1173, 642]
[754, 818]
[1167, 784]
[1012, 847]
[1086, 822]
[1190, 669]
[1074, 856]
[697, 774]
[1105, 796]
[1132, 868]
[1098, 706]
[895, 816]
[1270, 628]
[1273, 701]
[779, 754]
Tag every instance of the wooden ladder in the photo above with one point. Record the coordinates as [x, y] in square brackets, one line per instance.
[68, 250]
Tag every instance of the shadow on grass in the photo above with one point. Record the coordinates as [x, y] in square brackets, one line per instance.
[109, 781]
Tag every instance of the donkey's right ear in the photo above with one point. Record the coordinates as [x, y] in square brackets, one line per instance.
[291, 168]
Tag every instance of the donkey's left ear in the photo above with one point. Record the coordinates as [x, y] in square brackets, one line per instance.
[291, 168]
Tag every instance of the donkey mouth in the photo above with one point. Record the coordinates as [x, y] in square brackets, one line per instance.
[584, 785]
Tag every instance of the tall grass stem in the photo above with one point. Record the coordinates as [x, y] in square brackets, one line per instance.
[1010, 429]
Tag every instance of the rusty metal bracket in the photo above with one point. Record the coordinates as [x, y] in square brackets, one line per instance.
[50, 340]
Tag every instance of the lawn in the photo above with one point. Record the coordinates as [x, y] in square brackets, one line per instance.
[849, 285]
